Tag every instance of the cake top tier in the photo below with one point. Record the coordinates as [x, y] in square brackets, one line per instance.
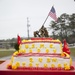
[41, 45]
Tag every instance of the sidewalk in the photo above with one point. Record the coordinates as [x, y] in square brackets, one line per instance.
[5, 58]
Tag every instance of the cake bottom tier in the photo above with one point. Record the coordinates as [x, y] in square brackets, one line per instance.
[36, 62]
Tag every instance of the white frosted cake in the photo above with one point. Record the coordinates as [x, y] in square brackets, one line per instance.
[41, 53]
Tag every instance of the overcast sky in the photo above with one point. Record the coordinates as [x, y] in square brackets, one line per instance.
[14, 13]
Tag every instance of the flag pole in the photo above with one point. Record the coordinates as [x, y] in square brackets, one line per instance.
[45, 20]
[28, 27]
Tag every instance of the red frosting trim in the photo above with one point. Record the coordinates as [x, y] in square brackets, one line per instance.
[41, 39]
[40, 55]
[38, 68]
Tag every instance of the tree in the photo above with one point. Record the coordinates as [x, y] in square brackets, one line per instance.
[72, 28]
[64, 27]
[72, 23]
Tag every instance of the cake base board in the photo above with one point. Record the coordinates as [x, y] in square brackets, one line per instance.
[5, 71]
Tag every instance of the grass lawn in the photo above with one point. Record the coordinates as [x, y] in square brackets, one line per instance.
[72, 52]
[6, 53]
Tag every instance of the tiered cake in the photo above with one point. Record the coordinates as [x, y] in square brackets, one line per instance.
[40, 53]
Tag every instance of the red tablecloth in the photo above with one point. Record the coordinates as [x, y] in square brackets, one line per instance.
[5, 71]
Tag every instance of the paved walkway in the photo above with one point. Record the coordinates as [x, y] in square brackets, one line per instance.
[5, 58]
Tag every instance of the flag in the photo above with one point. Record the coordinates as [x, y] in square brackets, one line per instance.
[52, 13]
[18, 39]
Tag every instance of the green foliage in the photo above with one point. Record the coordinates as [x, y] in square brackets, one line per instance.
[16, 46]
[64, 28]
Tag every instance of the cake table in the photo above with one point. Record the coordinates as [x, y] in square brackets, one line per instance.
[5, 71]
